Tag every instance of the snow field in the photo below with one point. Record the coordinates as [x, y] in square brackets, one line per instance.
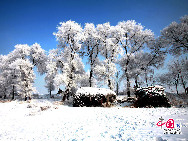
[18, 122]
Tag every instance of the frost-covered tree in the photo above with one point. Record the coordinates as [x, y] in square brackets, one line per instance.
[83, 81]
[90, 48]
[23, 76]
[21, 51]
[18, 77]
[16, 71]
[184, 72]
[176, 34]
[68, 77]
[138, 66]
[147, 62]
[177, 74]
[133, 38]
[179, 71]
[38, 58]
[143, 63]
[49, 83]
[34, 52]
[9, 75]
[51, 70]
[117, 82]
[110, 50]
[69, 36]
[4, 76]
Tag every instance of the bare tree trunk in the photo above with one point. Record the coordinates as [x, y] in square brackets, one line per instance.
[5, 94]
[128, 86]
[177, 82]
[109, 80]
[25, 98]
[177, 89]
[91, 72]
[126, 69]
[183, 84]
[110, 84]
[186, 90]
[13, 92]
[117, 89]
[50, 93]
[68, 90]
[90, 77]
[136, 82]
[128, 79]
[146, 77]
[117, 83]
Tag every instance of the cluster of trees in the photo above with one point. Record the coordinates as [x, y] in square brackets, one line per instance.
[126, 49]
[177, 74]
[176, 38]
[16, 70]
[105, 47]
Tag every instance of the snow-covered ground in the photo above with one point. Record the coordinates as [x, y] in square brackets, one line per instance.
[47, 120]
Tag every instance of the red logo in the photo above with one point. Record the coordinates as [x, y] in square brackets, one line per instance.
[169, 123]
[160, 123]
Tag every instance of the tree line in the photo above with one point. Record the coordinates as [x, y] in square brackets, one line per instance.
[125, 52]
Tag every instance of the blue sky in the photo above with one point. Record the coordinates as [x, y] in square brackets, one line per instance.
[30, 21]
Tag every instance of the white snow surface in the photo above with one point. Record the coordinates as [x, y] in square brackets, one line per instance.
[94, 91]
[26, 121]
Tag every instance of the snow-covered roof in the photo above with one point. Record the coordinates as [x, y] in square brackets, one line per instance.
[153, 87]
[157, 88]
[94, 91]
[160, 87]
